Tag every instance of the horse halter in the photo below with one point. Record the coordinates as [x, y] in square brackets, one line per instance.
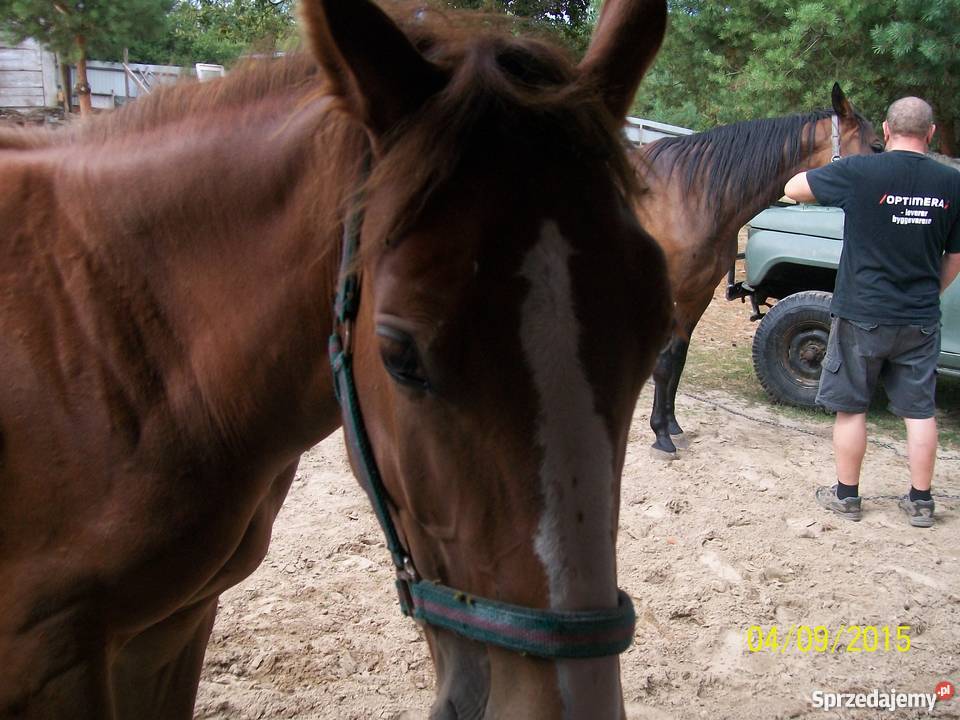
[835, 136]
[531, 631]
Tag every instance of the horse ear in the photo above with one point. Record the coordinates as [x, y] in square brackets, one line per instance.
[369, 61]
[841, 106]
[624, 44]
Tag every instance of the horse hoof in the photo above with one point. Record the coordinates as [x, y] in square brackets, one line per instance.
[664, 455]
[680, 441]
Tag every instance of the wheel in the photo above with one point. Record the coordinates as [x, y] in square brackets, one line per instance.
[789, 346]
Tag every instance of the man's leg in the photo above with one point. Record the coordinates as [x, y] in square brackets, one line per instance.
[911, 382]
[918, 504]
[850, 445]
[921, 450]
[846, 386]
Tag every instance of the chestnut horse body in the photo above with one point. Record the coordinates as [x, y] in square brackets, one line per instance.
[166, 280]
[700, 190]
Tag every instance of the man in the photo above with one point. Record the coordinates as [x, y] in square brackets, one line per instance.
[901, 249]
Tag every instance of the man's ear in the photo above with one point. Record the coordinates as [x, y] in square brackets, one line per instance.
[933, 130]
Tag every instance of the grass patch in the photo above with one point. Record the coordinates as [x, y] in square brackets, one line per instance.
[730, 368]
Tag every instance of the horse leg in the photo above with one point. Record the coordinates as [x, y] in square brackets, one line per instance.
[158, 671]
[663, 446]
[53, 666]
[80, 693]
[156, 675]
[678, 358]
[688, 314]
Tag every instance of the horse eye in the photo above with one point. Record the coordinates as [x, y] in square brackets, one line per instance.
[876, 146]
[399, 354]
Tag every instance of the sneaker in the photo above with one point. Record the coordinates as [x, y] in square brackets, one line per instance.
[919, 512]
[848, 508]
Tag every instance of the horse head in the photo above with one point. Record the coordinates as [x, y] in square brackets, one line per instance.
[842, 133]
[510, 309]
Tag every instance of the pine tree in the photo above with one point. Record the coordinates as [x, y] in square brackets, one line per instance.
[724, 62]
[75, 27]
[919, 41]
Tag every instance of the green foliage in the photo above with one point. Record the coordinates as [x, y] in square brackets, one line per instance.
[569, 21]
[920, 40]
[219, 31]
[758, 58]
[105, 25]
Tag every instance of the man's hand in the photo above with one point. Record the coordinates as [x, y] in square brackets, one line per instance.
[798, 189]
[949, 268]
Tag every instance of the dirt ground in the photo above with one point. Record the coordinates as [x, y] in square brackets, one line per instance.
[725, 538]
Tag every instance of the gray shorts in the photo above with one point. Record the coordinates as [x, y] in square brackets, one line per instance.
[904, 357]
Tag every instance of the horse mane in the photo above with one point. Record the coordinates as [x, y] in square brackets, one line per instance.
[252, 80]
[519, 99]
[741, 159]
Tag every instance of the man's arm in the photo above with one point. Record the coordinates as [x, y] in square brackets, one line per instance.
[799, 189]
[949, 268]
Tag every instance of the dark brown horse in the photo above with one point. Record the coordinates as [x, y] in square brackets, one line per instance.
[701, 189]
[166, 282]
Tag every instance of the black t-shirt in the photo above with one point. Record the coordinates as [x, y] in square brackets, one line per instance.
[901, 216]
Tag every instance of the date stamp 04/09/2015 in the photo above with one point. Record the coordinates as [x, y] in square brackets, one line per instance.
[826, 639]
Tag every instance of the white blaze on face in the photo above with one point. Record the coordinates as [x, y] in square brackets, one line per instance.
[575, 538]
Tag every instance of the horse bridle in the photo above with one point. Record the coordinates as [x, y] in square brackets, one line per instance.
[835, 136]
[532, 631]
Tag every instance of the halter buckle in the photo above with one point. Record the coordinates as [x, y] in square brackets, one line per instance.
[835, 137]
[406, 575]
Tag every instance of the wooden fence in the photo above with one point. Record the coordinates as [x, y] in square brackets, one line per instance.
[28, 76]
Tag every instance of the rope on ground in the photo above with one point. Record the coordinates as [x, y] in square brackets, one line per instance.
[773, 423]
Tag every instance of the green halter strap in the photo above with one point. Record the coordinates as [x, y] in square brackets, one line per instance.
[542, 633]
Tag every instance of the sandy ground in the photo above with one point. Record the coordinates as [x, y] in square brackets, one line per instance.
[722, 539]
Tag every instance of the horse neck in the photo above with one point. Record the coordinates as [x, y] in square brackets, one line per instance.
[736, 210]
[726, 211]
[236, 253]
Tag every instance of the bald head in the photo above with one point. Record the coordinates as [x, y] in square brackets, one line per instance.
[910, 116]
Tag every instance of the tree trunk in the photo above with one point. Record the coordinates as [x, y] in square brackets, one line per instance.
[948, 137]
[65, 83]
[83, 87]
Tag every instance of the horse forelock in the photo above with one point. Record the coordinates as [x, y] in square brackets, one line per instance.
[514, 102]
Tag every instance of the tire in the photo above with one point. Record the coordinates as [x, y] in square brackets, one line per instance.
[789, 346]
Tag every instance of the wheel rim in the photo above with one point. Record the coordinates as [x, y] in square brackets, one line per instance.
[805, 351]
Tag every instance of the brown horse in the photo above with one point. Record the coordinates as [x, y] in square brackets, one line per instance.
[166, 284]
[701, 189]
